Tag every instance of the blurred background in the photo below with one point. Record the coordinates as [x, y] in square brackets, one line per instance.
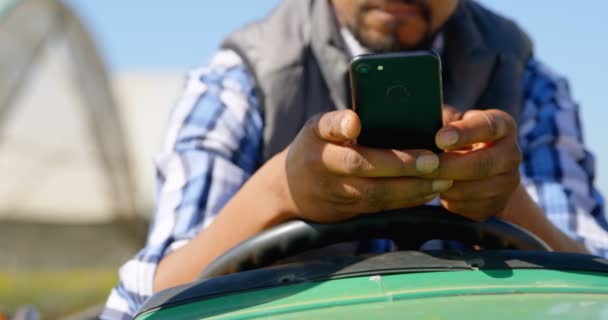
[85, 91]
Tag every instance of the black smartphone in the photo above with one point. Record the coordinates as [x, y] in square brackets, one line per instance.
[398, 98]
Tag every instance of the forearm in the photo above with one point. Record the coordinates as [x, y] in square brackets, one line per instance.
[256, 207]
[524, 212]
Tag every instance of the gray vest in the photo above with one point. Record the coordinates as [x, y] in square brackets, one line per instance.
[300, 63]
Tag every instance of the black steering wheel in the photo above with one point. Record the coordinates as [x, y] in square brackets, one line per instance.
[409, 228]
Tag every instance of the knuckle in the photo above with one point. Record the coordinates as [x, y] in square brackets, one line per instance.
[322, 124]
[512, 158]
[508, 121]
[312, 128]
[338, 193]
[483, 165]
[517, 155]
[454, 194]
[347, 195]
[313, 121]
[376, 198]
[504, 122]
[494, 124]
[517, 178]
[500, 123]
[354, 162]
[423, 188]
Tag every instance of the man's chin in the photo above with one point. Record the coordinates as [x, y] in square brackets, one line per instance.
[378, 43]
[382, 42]
[393, 45]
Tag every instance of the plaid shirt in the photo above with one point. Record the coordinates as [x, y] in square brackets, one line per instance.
[213, 146]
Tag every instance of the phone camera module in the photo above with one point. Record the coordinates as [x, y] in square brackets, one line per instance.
[363, 68]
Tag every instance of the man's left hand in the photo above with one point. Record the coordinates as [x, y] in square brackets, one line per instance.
[482, 157]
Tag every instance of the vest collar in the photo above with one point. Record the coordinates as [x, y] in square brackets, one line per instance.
[468, 61]
[330, 51]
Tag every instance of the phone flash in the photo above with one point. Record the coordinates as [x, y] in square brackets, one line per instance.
[380, 68]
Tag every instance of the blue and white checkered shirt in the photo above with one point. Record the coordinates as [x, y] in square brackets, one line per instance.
[213, 144]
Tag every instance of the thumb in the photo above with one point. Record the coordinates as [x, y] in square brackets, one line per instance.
[450, 114]
[336, 126]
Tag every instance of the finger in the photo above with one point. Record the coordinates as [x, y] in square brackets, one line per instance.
[374, 195]
[479, 164]
[476, 126]
[450, 114]
[478, 210]
[371, 162]
[335, 126]
[483, 189]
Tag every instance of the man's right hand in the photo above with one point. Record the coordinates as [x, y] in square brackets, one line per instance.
[330, 179]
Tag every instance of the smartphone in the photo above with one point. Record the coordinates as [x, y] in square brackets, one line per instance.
[398, 98]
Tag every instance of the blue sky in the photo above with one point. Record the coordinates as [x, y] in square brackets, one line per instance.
[140, 34]
[570, 36]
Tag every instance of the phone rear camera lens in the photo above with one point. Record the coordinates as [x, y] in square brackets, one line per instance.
[363, 68]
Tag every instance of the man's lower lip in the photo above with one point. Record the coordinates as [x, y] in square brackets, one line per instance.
[398, 14]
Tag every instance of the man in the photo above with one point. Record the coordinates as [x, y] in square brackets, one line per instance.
[263, 135]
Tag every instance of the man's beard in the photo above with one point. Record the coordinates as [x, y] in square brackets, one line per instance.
[391, 43]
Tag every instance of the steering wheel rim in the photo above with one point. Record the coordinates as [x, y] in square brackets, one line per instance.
[409, 227]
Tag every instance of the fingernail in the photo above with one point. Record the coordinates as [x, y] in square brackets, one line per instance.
[442, 185]
[447, 138]
[344, 123]
[427, 163]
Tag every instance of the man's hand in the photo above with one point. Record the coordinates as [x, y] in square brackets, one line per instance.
[482, 157]
[329, 178]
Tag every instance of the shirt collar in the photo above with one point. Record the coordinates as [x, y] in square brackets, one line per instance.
[355, 48]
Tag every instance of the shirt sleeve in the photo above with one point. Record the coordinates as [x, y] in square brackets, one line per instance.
[557, 170]
[212, 147]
